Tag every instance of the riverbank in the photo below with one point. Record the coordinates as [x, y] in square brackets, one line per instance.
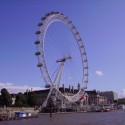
[90, 118]
[15, 113]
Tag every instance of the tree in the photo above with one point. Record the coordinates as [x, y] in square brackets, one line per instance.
[18, 103]
[32, 99]
[0, 100]
[6, 99]
[121, 101]
[20, 100]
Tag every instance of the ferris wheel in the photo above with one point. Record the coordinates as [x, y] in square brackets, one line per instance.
[49, 52]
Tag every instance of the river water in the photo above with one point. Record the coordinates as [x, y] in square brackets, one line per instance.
[94, 118]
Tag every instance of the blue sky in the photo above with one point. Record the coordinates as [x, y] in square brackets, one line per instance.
[101, 25]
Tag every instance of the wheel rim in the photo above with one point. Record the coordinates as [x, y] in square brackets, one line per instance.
[41, 34]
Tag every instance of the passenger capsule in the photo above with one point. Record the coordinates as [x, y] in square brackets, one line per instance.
[61, 14]
[79, 39]
[65, 17]
[47, 86]
[81, 46]
[40, 24]
[43, 18]
[39, 65]
[85, 60]
[56, 12]
[86, 74]
[38, 32]
[69, 22]
[73, 27]
[85, 87]
[52, 12]
[76, 33]
[37, 42]
[37, 53]
[47, 14]
[86, 81]
[85, 67]
[83, 53]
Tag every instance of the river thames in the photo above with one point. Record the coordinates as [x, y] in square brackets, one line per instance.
[92, 118]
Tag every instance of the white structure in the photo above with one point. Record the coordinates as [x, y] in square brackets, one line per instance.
[48, 20]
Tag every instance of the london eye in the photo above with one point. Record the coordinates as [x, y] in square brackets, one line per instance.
[61, 55]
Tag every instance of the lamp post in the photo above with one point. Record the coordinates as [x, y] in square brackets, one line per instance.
[97, 99]
[27, 98]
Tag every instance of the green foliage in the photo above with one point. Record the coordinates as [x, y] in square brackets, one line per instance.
[121, 101]
[5, 98]
[29, 99]
[32, 99]
[20, 100]
[19, 103]
[0, 101]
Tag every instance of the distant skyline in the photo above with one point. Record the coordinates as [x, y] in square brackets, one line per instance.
[101, 24]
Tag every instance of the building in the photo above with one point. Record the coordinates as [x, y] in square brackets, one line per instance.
[110, 95]
[41, 96]
[13, 96]
[95, 98]
[91, 97]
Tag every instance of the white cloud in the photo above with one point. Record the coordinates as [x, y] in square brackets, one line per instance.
[122, 93]
[16, 88]
[9, 84]
[1, 84]
[99, 73]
